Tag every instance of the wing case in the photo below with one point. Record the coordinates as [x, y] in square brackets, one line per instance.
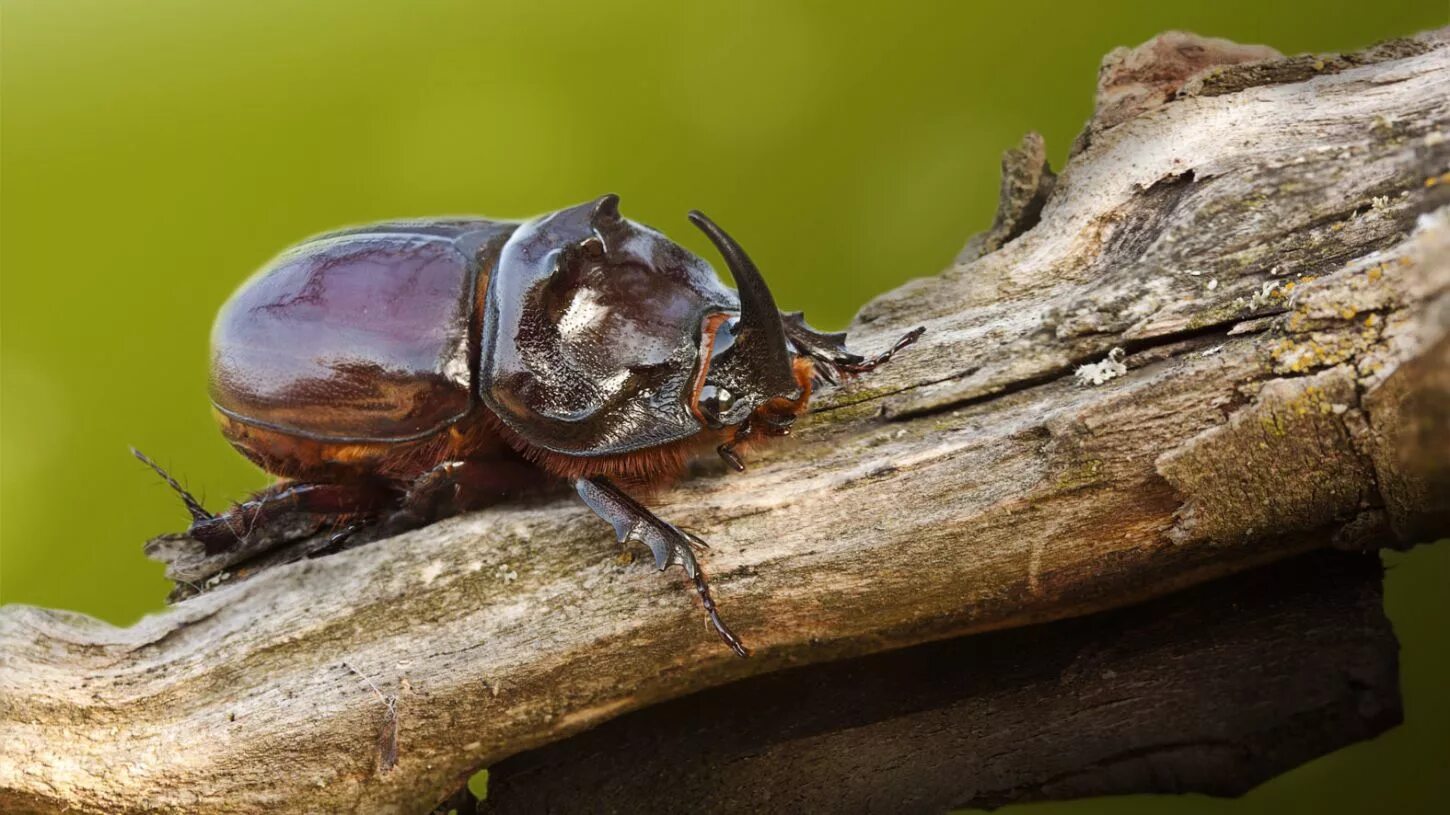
[365, 334]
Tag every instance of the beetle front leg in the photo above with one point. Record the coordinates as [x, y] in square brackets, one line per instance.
[828, 349]
[669, 543]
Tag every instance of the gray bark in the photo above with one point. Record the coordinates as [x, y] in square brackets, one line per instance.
[1269, 668]
[1267, 243]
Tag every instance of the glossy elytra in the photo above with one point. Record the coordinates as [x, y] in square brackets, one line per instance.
[393, 374]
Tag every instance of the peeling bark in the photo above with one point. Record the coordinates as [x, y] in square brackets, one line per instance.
[1262, 255]
[1027, 183]
[1287, 462]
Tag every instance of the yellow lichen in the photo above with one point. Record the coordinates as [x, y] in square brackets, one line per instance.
[1371, 331]
[1082, 474]
[1311, 401]
[1275, 425]
[1319, 351]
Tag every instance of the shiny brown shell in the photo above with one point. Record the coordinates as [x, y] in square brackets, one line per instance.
[363, 335]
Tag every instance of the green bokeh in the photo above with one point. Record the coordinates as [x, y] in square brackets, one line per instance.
[154, 153]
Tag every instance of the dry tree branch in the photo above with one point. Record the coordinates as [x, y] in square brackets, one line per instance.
[1213, 690]
[1266, 240]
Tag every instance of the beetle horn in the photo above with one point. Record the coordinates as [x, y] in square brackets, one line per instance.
[606, 210]
[759, 337]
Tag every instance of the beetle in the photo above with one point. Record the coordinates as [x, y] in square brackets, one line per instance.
[395, 373]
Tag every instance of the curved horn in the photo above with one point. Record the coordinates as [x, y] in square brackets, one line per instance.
[759, 336]
[606, 210]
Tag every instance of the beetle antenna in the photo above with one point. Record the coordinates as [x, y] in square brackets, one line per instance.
[198, 512]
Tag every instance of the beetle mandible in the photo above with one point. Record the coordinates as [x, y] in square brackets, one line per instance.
[396, 373]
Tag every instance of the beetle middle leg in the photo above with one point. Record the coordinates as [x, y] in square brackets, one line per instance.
[454, 487]
[669, 543]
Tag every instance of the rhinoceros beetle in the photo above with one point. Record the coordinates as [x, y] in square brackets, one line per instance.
[396, 373]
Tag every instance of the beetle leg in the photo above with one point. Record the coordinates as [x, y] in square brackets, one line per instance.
[828, 349]
[425, 497]
[727, 450]
[454, 487]
[669, 543]
[289, 511]
[871, 363]
[342, 533]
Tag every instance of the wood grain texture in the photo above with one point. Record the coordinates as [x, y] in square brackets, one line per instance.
[1270, 668]
[1272, 258]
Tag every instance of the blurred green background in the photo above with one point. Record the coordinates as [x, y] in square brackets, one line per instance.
[154, 153]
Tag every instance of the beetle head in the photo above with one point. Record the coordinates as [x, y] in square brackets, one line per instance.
[748, 363]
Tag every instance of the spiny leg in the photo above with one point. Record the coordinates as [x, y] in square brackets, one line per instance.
[669, 543]
[293, 510]
[460, 486]
[872, 363]
[828, 349]
[283, 512]
[747, 430]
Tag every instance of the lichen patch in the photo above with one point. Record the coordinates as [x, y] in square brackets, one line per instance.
[1096, 373]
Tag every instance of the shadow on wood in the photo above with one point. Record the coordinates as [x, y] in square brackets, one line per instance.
[1211, 690]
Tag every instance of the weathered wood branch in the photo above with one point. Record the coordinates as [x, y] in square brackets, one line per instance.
[1270, 668]
[1269, 245]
